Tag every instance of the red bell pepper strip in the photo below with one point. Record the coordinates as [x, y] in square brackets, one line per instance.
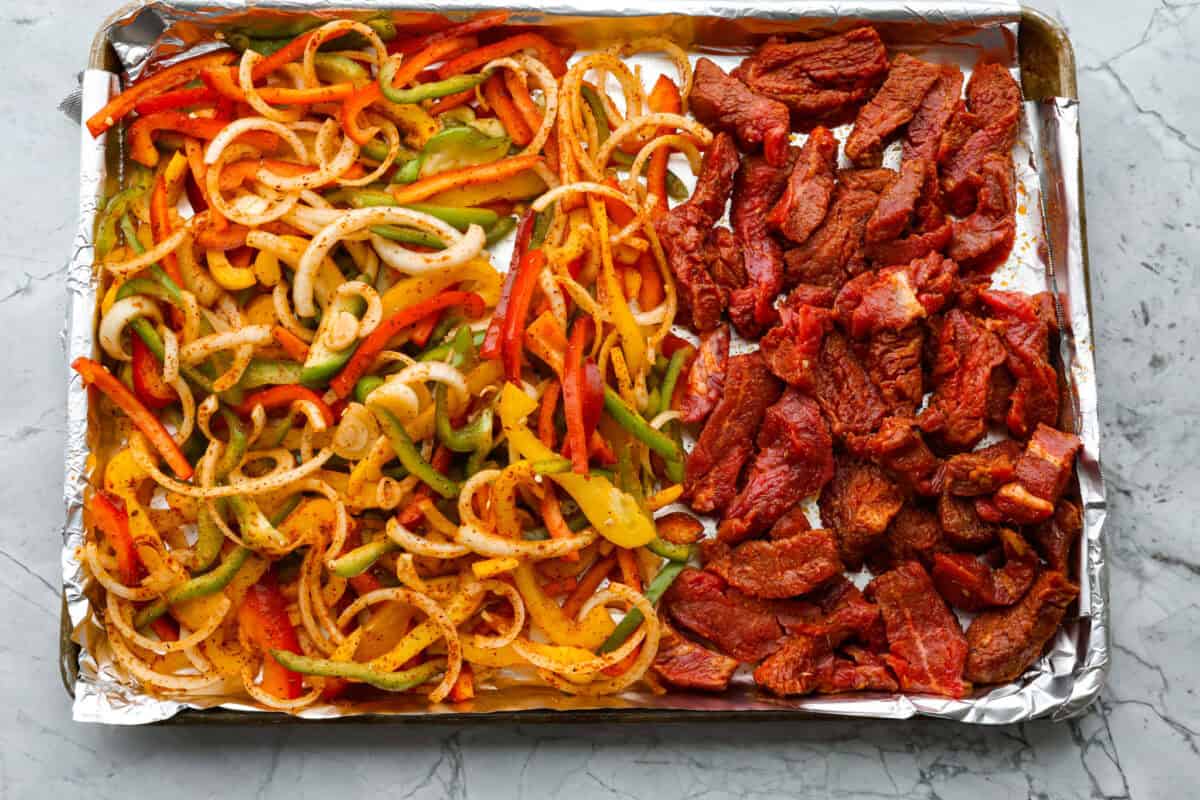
[295, 347]
[113, 522]
[545, 425]
[275, 397]
[165, 629]
[141, 133]
[490, 348]
[548, 52]
[573, 391]
[501, 102]
[424, 329]
[371, 346]
[464, 688]
[169, 78]
[148, 383]
[263, 619]
[482, 21]
[160, 222]
[511, 344]
[94, 373]
[180, 98]
[444, 104]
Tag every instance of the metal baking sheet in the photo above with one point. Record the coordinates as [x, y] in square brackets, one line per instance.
[1050, 252]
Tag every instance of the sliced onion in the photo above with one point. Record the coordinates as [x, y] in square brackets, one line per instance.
[657, 120]
[151, 256]
[283, 311]
[587, 187]
[400, 258]
[356, 433]
[419, 545]
[205, 346]
[271, 701]
[236, 128]
[118, 316]
[121, 614]
[336, 28]
[151, 587]
[346, 156]
[509, 593]
[663, 418]
[148, 675]
[187, 403]
[493, 546]
[246, 82]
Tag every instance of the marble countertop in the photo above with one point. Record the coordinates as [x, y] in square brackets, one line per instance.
[1141, 134]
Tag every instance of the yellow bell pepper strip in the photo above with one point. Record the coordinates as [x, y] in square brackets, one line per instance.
[662, 581]
[94, 373]
[354, 671]
[227, 275]
[633, 341]
[588, 633]
[520, 186]
[169, 78]
[614, 514]
[459, 608]
[491, 567]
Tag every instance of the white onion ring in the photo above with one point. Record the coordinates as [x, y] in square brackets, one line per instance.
[121, 614]
[151, 256]
[119, 315]
[236, 128]
[205, 346]
[400, 258]
[509, 593]
[146, 674]
[419, 545]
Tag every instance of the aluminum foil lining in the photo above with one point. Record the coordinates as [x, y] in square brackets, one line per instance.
[1048, 254]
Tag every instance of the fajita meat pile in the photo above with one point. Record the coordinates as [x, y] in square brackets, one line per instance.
[919, 405]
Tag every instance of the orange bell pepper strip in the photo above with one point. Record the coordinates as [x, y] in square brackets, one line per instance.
[545, 425]
[354, 105]
[195, 156]
[512, 342]
[499, 101]
[490, 348]
[552, 516]
[179, 98]
[484, 20]
[166, 189]
[284, 55]
[282, 396]
[165, 629]
[573, 392]
[548, 52]
[293, 345]
[94, 373]
[664, 97]
[650, 293]
[237, 173]
[374, 344]
[587, 586]
[169, 78]
[141, 133]
[464, 688]
[560, 586]
[113, 522]
[444, 104]
[224, 81]
[264, 620]
[467, 176]
[530, 112]
[629, 569]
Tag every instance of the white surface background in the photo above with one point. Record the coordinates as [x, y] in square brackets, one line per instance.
[1140, 88]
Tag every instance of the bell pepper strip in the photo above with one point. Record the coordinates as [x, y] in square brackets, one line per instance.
[94, 373]
[114, 210]
[277, 397]
[365, 386]
[614, 514]
[239, 172]
[424, 329]
[521, 298]
[451, 101]
[293, 345]
[141, 133]
[148, 384]
[670, 550]
[201, 586]
[545, 426]
[491, 347]
[177, 99]
[409, 236]
[546, 51]
[264, 620]
[499, 100]
[410, 457]
[650, 293]
[546, 339]
[457, 179]
[573, 392]
[674, 368]
[362, 558]
[633, 422]
[662, 581]
[630, 576]
[113, 522]
[464, 687]
[484, 20]
[284, 55]
[588, 583]
[373, 345]
[224, 81]
[664, 98]
[354, 671]
[561, 628]
[556, 525]
[423, 91]
[169, 78]
[262, 372]
[166, 188]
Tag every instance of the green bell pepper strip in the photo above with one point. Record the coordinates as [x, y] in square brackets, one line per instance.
[275, 432]
[424, 91]
[662, 581]
[676, 188]
[408, 236]
[360, 559]
[674, 368]
[503, 227]
[411, 457]
[354, 671]
[365, 386]
[323, 363]
[670, 550]
[253, 524]
[475, 435]
[633, 422]
[541, 226]
[456, 148]
[263, 372]
[114, 210]
[209, 537]
[236, 449]
[460, 218]
[332, 68]
[442, 351]
[200, 586]
[409, 171]
[148, 287]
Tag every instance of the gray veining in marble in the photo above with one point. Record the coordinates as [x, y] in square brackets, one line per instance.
[1141, 130]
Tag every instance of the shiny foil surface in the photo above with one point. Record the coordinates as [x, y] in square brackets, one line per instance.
[1049, 253]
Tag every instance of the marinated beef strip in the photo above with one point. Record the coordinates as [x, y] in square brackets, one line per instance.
[742, 627]
[987, 126]
[779, 568]
[793, 522]
[1040, 476]
[835, 252]
[963, 527]
[1002, 644]
[924, 134]
[806, 664]
[725, 103]
[821, 81]
[756, 189]
[859, 504]
[899, 448]
[1056, 536]
[982, 241]
[727, 441]
[969, 583]
[792, 349]
[965, 356]
[706, 377]
[836, 612]
[845, 391]
[982, 471]
[893, 360]
[688, 665]
[809, 188]
[686, 233]
[907, 83]
[926, 648]
[914, 535]
[794, 461]
[1026, 323]
[725, 261]
[897, 205]
[893, 298]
